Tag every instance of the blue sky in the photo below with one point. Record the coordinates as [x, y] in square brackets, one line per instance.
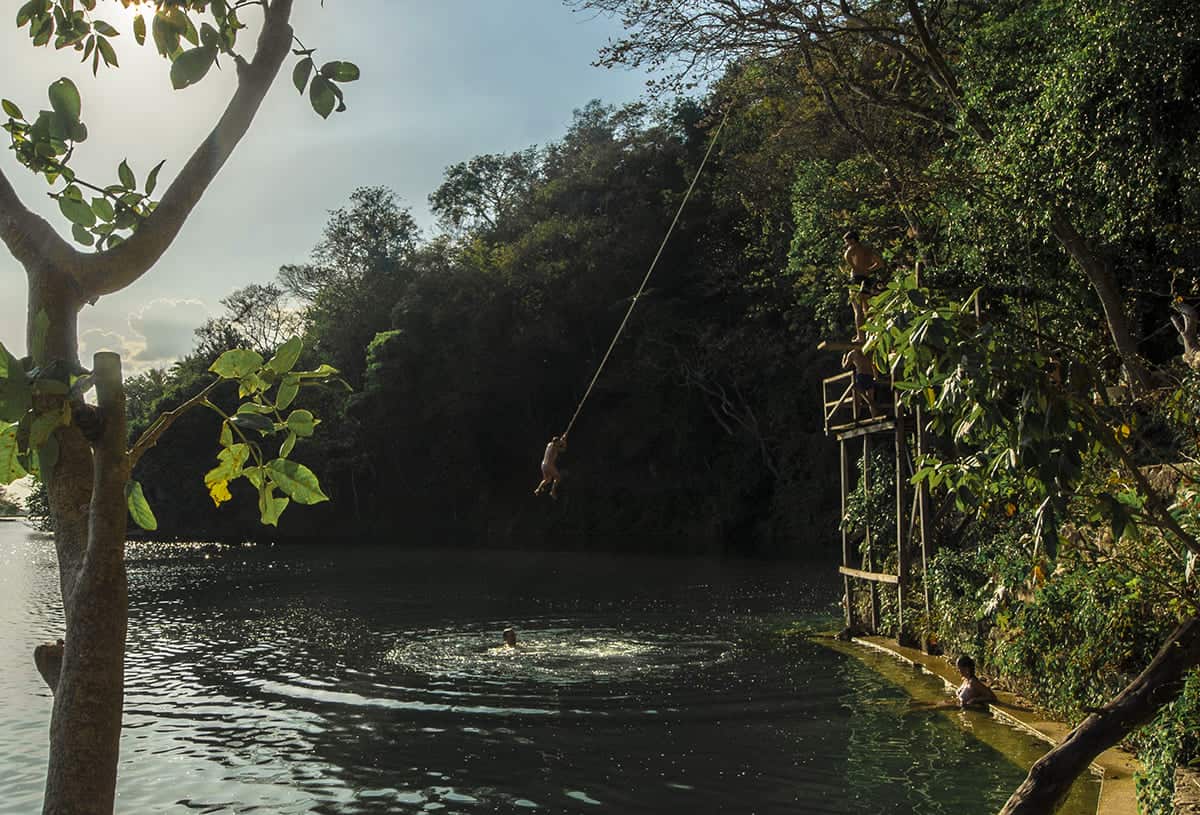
[443, 80]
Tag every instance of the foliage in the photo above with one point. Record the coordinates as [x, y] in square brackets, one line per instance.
[192, 37]
[1170, 741]
[7, 505]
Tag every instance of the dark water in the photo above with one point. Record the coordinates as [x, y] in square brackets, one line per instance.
[368, 681]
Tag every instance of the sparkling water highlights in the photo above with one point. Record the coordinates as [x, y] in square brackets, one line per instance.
[366, 680]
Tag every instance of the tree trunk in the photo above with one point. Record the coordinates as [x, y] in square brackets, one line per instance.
[1105, 284]
[1158, 685]
[86, 488]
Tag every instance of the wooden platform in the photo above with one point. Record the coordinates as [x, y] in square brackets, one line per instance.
[876, 424]
[876, 577]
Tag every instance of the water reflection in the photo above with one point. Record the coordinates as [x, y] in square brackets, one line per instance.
[370, 681]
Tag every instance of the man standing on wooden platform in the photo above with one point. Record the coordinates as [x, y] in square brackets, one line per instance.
[863, 261]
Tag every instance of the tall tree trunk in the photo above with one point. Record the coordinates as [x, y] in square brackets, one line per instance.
[1158, 685]
[86, 487]
[1100, 275]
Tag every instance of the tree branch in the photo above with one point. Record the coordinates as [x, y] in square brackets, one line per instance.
[28, 236]
[110, 271]
[150, 437]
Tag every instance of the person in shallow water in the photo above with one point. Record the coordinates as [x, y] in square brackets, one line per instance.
[972, 692]
[550, 473]
[510, 638]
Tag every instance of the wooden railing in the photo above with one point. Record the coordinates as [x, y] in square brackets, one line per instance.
[844, 408]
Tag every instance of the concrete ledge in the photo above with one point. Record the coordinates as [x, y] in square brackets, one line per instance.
[1115, 767]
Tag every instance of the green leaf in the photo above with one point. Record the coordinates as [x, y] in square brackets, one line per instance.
[139, 509]
[288, 445]
[26, 12]
[299, 482]
[16, 397]
[105, 49]
[270, 507]
[226, 435]
[286, 356]
[231, 460]
[288, 388]
[251, 384]
[322, 96]
[128, 179]
[237, 363]
[323, 371]
[191, 66]
[44, 424]
[253, 421]
[254, 407]
[81, 235]
[11, 109]
[102, 208]
[340, 71]
[77, 211]
[64, 98]
[105, 29]
[301, 73]
[152, 179]
[139, 29]
[209, 37]
[302, 423]
[10, 467]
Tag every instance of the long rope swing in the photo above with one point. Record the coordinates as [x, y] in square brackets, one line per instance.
[650, 271]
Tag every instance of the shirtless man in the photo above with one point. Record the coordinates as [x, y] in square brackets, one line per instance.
[862, 260]
[864, 376]
[550, 473]
[972, 692]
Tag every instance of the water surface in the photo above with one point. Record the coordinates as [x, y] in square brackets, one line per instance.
[368, 680]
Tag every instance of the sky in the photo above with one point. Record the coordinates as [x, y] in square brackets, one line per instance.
[442, 81]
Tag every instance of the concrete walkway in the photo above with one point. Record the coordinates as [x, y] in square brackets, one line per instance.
[1115, 767]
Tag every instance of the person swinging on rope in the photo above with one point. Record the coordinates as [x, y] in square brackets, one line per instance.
[550, 474]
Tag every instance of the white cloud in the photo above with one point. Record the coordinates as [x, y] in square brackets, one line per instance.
[160, 332]
[166, 329]
[98, 339]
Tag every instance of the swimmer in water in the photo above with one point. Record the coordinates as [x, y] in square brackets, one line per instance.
[972, 694]
[510, 638]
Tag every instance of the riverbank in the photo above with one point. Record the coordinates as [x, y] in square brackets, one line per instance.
[1115, 768]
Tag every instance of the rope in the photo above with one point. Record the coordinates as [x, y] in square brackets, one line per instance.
[650, 271]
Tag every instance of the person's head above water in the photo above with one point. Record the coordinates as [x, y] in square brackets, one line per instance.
[510, 637]
[966, 666]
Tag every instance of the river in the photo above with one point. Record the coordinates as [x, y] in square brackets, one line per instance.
[369, 679]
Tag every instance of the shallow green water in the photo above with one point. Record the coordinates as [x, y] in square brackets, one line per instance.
[367, 680]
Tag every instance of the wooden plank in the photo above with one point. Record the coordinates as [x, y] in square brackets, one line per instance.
[874, 577]
[853, 431]
[838, 345]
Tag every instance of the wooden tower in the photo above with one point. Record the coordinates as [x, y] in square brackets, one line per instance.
[849, 418]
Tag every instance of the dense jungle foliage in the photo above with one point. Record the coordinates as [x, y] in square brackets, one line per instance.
[1036, 160]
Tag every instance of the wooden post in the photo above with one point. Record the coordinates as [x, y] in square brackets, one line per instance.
[927, 543]
[868, 565]
[849, 595]
[901, 527]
